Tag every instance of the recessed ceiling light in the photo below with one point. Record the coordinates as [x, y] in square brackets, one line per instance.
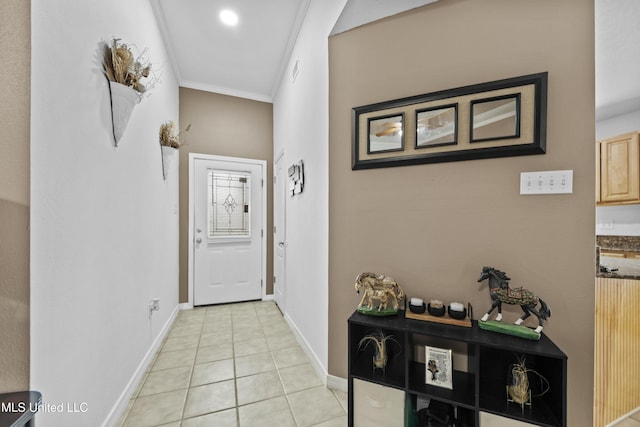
[229, 17]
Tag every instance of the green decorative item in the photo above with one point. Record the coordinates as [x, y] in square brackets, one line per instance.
[381, 294]
[376, 312]
[509, 329]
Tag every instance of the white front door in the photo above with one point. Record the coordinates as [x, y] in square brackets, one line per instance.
[279, 233]
[227, 230]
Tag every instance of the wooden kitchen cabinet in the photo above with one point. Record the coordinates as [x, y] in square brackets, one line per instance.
[618, 170]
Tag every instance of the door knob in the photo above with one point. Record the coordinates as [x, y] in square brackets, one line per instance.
[198, 240]
[281, 244]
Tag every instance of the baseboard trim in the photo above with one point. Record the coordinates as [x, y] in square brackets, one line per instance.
[337, 383]
[268, 297]
[622, 418]
[315, 361]
[330, 381]
[121, 404]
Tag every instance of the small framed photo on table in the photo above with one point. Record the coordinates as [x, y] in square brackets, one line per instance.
[438, 370]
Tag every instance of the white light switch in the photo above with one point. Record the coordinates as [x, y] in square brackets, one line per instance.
[546, 182]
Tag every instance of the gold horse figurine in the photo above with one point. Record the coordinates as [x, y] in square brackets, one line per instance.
[381, 294]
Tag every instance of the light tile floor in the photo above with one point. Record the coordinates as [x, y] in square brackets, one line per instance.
[631, 421]
[235, 365]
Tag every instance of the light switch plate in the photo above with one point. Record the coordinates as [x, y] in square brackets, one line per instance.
[546, 182]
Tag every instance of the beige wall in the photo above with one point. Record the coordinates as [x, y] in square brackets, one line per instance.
[225, 126]
[15, 41]
[433, 227]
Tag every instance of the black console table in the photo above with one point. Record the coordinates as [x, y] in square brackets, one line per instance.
[479, 384]
[19, 408]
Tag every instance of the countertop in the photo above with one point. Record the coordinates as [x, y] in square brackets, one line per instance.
[618, 252]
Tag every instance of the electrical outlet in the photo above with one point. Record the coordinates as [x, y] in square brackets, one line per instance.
[606, 225]
[546, 182]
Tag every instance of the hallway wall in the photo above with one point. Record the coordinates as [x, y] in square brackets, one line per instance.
[15, 72]
[223, 125]
[104, 223]
[301, 132]
[433, 227]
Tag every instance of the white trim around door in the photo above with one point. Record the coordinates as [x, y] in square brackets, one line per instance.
[190, 270]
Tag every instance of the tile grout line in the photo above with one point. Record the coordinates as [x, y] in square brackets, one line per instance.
[277, 369]
[193, 368]
[263, 322]
[286, 395]
[235, 371]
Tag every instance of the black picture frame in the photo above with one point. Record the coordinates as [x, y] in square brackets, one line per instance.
[381, 127]
[492, 105]
[532, 120]
[440, 140]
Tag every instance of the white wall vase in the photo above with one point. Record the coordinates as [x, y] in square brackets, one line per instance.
[168, 153]
[123, 99]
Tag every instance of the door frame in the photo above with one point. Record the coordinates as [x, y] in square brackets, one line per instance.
[190, 235]
[279, 210]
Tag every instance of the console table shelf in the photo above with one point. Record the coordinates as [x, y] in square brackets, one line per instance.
[481, 361]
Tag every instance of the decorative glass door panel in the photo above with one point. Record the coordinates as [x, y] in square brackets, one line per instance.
[229, 204]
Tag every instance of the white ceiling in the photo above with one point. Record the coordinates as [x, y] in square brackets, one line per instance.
[617, 57]
[360, 12]
[249, 60]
